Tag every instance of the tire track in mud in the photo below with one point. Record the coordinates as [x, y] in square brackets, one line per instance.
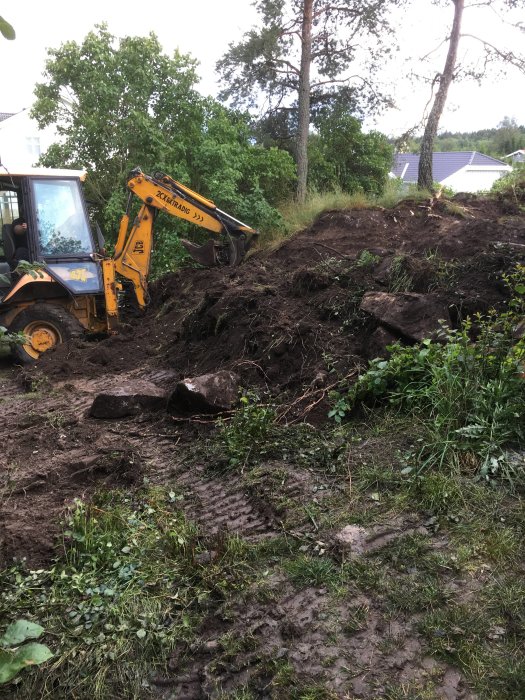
[65, 453]
[216, 505]
[223, 505]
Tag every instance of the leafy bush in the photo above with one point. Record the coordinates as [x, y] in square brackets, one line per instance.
[512, 186]
[469, 395]
[342, 156]
[247, 430]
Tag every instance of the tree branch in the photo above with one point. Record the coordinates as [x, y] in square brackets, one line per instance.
[508, 57]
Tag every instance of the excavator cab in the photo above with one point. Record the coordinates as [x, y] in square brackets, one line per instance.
[53, 207]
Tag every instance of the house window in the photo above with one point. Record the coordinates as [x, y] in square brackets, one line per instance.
[33, 147]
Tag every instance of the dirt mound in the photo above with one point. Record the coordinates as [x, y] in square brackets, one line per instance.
[286, 316]
[282, 314]
[288, 322]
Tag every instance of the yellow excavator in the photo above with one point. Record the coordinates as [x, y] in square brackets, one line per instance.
[77, 286]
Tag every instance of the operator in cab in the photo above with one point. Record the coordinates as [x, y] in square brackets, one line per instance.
[20, 238]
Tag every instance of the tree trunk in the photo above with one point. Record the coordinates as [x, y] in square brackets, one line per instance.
[425, 178]
[304, 101]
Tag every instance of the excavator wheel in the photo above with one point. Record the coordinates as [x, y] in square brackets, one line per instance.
[45, 326]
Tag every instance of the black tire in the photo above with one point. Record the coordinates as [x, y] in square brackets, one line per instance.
[53, 324]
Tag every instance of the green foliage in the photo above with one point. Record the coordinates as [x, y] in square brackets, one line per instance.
[498, 142]
[264, 64]
[340, 408]
[248, 429]
[14, 655]
[129, 105]
[7, 30]
[299, 216]
[146, 111]
[511, 187]
[483, 638]
[469, 395]
[399, 278]
[341, 156]
[305, 571]
[367, 259]
[135, 579]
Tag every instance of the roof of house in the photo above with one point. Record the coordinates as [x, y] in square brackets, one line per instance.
[6, 115]
[444, 164]
[520, 151]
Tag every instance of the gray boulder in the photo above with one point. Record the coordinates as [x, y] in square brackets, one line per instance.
[414, 316]
[128, 399]
[209, 393]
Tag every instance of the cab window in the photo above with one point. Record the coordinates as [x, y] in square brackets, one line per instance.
[61, 220]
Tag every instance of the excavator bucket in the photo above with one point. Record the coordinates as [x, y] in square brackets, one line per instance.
[212, 253]
[205, 255]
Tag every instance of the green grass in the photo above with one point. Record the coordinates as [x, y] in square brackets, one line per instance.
[300, 216]
[128, 588]
[305, 571]
[482, 640]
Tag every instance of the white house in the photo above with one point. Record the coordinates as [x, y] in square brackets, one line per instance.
[21, 141]
[517, 156]
[462, 171]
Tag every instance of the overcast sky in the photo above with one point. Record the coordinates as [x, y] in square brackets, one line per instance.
[204, 28]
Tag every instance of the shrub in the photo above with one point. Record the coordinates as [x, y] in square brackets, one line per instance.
[469, 394]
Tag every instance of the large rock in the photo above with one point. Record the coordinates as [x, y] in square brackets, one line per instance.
[128, 399]
[378, 343]
[414, 316]
[209, 393]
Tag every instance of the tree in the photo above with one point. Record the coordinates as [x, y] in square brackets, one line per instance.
[120, 104]
[343, 157]
[116, 105]
[303, 51]
[425, 176]
[509, 137]
[491, 53]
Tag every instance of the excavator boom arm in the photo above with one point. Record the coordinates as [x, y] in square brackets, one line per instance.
[131, 260]
[166, 194]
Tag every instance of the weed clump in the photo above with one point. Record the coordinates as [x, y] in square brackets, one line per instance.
[467, 394]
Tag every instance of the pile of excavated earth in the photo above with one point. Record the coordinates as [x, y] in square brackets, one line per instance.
[287, 325]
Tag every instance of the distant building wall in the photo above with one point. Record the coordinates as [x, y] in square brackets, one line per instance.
[474, 179]
[22, 142]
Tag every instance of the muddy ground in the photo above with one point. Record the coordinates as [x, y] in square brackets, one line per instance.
[289, 323]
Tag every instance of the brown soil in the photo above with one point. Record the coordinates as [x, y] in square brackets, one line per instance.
[284, 321]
